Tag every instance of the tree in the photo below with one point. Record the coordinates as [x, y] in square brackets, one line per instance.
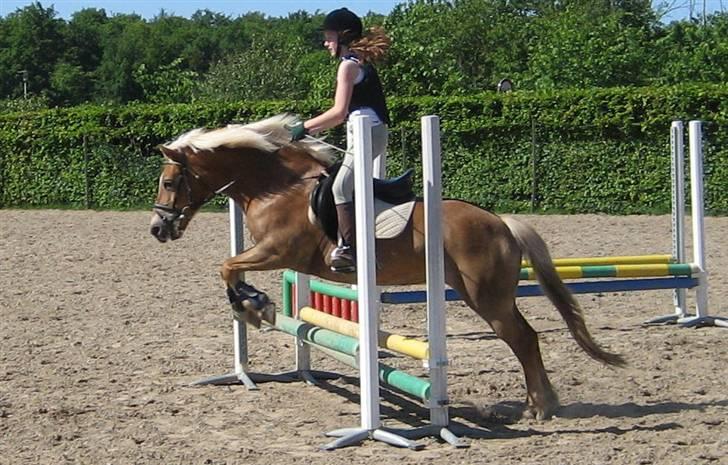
[168, 84]
[590, 44]
[272, 68]
[688, 51]
[74, 78]
[124, 41]
[32, 40]
[70, 84]
[421, 60]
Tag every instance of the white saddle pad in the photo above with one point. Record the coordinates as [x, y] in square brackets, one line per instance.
[391, 219]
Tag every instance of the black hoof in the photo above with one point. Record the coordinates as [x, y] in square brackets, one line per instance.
[246, 293]
[249, 305]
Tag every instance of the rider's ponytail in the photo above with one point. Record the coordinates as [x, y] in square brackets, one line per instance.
[373, 46]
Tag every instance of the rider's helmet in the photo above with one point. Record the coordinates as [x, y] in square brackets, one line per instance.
[345, 23]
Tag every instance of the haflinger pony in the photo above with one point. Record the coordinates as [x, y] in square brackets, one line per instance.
[272, 178]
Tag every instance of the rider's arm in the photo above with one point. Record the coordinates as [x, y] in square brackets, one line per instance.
[334, 116]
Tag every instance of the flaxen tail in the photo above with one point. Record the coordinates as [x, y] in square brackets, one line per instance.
[535, 249]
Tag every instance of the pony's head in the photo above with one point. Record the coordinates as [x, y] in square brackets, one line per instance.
[202, 163]
[180, 195]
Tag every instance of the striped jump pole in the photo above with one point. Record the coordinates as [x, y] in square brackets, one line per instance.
[342, 296]
[435, 272]
[345, 348]
[652, 276]
[677, 188]
[677, 191]
[240, 332]
[618, 271]
[403, 345]
[610, 260]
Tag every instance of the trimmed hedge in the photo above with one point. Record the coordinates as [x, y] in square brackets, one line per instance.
[596, 150]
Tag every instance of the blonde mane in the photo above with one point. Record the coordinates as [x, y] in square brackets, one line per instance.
[267, 135]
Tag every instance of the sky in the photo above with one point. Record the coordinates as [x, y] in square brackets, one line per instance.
[149, 8]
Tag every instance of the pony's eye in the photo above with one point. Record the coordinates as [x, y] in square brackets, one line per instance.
[168, 184]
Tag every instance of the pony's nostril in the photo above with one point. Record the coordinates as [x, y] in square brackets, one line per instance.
[155, 231]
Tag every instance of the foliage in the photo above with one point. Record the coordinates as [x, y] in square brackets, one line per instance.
[29, 43]
[270, 69]
[421, 61]
[169, 84]
[440, 48]
[594, 151]
[23, 105]
[589, 45]
[689, 51]
[581, 104]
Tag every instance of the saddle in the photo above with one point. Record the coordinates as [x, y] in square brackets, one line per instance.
[394, 191]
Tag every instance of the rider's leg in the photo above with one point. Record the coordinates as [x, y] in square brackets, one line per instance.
[343, 257]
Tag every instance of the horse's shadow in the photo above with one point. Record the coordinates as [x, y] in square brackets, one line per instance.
[631, 409]
[492, 422]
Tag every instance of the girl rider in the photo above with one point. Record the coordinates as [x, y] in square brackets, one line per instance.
[358, 92]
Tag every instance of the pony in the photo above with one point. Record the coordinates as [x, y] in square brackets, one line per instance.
[271, 179]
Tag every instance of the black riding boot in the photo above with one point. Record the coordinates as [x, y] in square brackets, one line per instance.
[343, 257]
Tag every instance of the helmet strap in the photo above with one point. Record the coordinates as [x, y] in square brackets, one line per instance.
[340, 49]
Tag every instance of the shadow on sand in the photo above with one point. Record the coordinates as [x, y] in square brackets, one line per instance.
[491, 422]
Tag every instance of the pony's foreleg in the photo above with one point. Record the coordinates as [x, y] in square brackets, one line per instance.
[248, 303]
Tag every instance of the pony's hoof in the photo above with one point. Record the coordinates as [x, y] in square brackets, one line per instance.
[246, 312]
[258, 315]
[250, 305]
[256, 303]
[539, 413]
[344, 269]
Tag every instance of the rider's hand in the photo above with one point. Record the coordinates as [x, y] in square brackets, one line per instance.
[298, 131]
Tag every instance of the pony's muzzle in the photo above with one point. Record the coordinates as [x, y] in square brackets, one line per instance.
[162, 229]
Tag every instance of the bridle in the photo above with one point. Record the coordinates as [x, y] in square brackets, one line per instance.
[170, 214]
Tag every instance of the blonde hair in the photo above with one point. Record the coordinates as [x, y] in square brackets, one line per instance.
[373, 46]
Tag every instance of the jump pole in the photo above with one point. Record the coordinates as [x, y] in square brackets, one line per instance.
[302, 298]
[241, 375]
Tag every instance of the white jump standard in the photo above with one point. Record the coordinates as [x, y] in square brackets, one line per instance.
[371, 427]
[240, 374]
[697, 205]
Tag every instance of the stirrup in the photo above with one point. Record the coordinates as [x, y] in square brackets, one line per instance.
[342, 267]
[343, 260]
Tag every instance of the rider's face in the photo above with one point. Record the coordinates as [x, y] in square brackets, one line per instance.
[331, 42]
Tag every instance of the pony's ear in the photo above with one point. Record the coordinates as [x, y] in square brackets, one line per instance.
[170, 153]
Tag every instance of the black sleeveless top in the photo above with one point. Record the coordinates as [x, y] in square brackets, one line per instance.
[369, 92]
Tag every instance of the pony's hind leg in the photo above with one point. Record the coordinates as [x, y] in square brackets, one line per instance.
[541, 399]
[499, 310]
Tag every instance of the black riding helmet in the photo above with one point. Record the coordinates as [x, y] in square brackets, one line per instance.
[345, 23]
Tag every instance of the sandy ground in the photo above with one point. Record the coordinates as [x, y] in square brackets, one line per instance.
[103, 329]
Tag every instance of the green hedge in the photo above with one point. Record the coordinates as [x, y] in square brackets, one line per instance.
[596, 150]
